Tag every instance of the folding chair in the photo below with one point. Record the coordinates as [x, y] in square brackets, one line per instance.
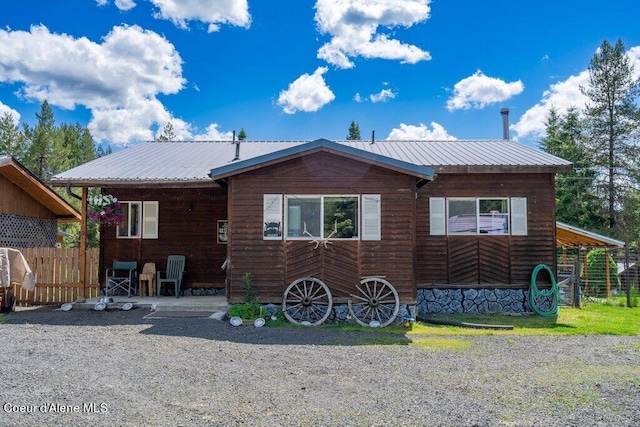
[121, 278]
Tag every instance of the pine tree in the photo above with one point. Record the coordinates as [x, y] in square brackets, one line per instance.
[612, 119]
[12, 141]
[354, 131]
[40, 139]
[167, 133]
[242, 135]
[576, 201]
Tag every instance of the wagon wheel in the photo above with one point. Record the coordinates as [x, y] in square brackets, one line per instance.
[307, 299]
[376, 300]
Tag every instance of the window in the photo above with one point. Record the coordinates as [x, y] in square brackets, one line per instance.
[322, 217]
[472, 216]
[140, 219]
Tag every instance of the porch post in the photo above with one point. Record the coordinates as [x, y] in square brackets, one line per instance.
[83, 244]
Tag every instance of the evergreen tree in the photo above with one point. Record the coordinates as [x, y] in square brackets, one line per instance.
[354, 131]
[612, 119]
[242, 135]
[576, 201]
[12, 141]
[167, 133]
[40, 143]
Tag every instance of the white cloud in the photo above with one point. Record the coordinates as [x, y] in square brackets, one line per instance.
[213, 134]
[561, 96]
[422, 132]
[125, 4]
[353, 27]
[383, 96]
[307, 93]
[357, 97]
[234, 12]
[6, 109]
[118, 79]
[102, 2]
[479, 90]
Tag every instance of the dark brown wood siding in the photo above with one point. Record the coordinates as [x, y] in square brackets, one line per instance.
[14, 200]
[187, 226]
[275, 264]
[490, 260]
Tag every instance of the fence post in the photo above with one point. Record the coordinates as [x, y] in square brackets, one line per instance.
[83, 244]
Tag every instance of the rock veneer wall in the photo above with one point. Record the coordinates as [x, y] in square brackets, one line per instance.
[485, 300]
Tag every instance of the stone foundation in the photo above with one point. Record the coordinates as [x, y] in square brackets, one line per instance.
[340, 312]
[199, 292]
[484, 300]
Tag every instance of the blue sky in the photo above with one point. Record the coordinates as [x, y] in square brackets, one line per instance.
[294, 69]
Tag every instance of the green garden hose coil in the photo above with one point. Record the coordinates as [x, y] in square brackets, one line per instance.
[535, 292]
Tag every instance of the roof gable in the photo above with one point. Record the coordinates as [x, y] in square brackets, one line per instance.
[241, 166]
[15, 172]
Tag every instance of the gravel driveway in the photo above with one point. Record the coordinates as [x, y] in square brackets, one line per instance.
[83, 367]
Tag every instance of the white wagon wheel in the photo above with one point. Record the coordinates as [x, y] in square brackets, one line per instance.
[307, 300]
[375, 301]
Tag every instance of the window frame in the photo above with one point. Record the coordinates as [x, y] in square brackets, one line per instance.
[322, 198]
[517, 216]
[148, 226]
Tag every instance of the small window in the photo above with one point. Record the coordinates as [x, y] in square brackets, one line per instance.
[471, 216]
[131, 216]
[140, 219]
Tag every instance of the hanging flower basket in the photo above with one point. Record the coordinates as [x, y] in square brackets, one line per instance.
[104, 209]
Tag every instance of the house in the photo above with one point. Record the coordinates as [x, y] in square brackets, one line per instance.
[453, 226]
[29, 209]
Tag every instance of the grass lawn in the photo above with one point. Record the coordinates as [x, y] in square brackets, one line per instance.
[591, 319]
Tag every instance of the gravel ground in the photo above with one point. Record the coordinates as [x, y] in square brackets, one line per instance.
[111, 368]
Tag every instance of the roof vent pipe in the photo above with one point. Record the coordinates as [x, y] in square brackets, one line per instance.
[237, 144]
[505, 123]
[373, 136]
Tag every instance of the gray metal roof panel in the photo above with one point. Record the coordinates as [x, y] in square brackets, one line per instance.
[174, 161]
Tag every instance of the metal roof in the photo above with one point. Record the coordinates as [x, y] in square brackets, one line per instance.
[569, 236]
[323, 145]
[176, 163]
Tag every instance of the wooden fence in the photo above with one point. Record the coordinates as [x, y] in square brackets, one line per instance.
[57, 272]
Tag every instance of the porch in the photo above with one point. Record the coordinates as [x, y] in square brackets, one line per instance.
[216, 303]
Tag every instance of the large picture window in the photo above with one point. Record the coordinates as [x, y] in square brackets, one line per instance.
[322, 217]
[472, 216]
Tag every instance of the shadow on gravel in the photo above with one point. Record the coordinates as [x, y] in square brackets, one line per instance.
[203, 328]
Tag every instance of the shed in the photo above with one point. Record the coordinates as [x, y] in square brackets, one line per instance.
[29, 209]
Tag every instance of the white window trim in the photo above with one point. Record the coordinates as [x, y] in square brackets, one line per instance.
[321, 197]
[517, 216]
[146, 230]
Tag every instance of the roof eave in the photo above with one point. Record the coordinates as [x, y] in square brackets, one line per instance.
[473, 169]
[137, 183]
[20, 176]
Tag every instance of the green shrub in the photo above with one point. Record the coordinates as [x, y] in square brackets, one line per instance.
[247, 310]
[249, 293]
